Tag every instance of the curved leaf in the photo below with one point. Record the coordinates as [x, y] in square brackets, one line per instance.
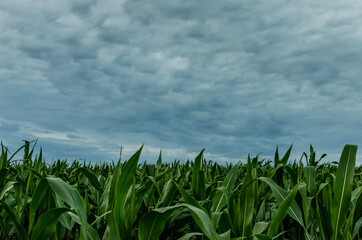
[92, 178]
[282, 212]
[45, 225]
[153, 223]
[187, 236]
[220, 199]
[71, 196]
[280, 195]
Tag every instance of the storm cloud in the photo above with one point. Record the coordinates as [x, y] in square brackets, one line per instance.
[237, 77]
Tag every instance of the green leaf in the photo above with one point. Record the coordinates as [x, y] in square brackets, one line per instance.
[220, 198]
[282, 211]
[263, 237]
[22, 235]
[125, 181]
[323, 201]
[99, 218]
[356, 193]
[36, 200]
[201, 185]
[246, 202]
[195, 174]
[220, 201]
[225, 235]
[187, 236]
[310, 178]
[280, 195]
[357, 227]
[159, 163]
[225, 222]
[286, 156]
[188, 198]
[343, 190]
[260, 227]
[215, 218]
[168, 193]
[203, 221]
[70, 195]
[45, 225]
[67, 221]
[153, 223]
[92, 234]
[9, 185]
[276, 157]
[92, 178]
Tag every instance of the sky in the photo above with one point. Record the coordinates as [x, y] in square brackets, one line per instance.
[86, 77]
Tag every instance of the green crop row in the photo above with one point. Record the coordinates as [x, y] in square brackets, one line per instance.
[198, 199]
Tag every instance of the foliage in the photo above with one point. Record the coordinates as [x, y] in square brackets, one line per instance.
[180, 200]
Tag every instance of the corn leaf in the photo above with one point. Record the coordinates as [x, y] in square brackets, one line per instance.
[45, 225]
[343, 190]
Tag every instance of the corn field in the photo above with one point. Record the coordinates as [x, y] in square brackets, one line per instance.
[261, 199]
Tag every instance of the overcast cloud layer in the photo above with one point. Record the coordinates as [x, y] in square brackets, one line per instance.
[236, 77]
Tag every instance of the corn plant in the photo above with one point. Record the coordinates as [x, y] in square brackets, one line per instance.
[257, 200]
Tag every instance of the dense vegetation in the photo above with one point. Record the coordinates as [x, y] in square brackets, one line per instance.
[197, 199]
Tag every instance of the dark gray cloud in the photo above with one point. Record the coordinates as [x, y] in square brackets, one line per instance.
[235, 77]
